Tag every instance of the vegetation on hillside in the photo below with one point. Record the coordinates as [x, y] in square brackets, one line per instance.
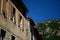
[49, 29]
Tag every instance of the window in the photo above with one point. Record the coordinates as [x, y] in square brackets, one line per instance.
[12, 14]
[3, 33]
[12, 38]
[22, 23]
[14, 19]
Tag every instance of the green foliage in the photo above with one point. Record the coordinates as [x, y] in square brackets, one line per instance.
[41, 26]
[49, 31]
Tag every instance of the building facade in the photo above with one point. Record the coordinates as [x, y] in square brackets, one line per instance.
[13, 22]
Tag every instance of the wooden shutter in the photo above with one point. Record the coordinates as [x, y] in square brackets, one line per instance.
[22, 24]
[4, 6]
[18, 20]
[11, 11]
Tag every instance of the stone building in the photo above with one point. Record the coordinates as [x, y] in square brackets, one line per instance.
[14, 24]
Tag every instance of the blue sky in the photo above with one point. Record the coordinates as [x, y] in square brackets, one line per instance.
[40, 10]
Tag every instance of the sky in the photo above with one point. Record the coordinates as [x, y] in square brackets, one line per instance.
[40, 10]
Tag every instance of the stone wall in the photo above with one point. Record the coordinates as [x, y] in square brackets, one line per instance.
[12, 29]
[7, 35]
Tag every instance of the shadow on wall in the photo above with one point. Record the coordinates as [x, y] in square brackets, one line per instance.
[39, 36]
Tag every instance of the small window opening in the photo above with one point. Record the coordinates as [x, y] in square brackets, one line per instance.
[14, 19]
[4, 15]
[14, 11]
[13, 16]
[20, 19]
[3, 33]
[12, 38]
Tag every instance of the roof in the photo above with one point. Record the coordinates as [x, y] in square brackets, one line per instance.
[20, 6]
[31, 21]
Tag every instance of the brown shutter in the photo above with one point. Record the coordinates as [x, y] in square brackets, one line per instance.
[4, 6]
[11, 11]
[22, 24]
[18, 20]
